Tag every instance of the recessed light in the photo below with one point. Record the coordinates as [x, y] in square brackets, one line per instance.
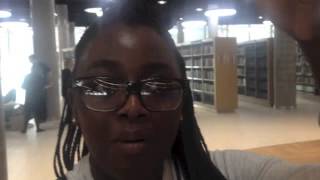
[268, 22]
[260, 17]
[199, 9]
[220, 12]
[5, 14]
[193, 24]
[162, 2]
[96, 10]
[181, 19]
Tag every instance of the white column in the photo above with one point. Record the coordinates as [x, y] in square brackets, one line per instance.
[72, 41]
[3, 151]
[63, 29]
[43, 22]
[180, 38]
[213, 23]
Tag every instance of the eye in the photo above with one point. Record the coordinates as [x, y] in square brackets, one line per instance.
[158, 87]
[100, 87]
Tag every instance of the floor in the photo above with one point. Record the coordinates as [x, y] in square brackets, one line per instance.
[255, 125]
[252, 126]
[306, 152]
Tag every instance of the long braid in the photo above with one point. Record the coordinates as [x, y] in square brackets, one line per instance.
[58, 167]
[69, 134]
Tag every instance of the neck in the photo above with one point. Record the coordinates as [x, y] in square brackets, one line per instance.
[152, 173]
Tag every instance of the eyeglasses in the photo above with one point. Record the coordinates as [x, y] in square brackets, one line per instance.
[103, 94]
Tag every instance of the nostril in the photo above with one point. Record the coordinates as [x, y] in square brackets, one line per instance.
[136, 115]
[123, 115]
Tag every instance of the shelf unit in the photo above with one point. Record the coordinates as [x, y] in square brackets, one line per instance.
[305, 80]
[255, 70]
[198, 58]
[208, 83]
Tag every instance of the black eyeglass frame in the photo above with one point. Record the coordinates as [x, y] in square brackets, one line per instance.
[132, 88]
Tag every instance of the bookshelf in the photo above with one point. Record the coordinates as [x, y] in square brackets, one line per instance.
[208, 84]
[255, 70]
[284, 68]
[305, 80]
[198, 58]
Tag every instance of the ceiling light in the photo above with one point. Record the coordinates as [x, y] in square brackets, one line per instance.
[96, 10]
[162, 2]
[193, 24]
[220, 12]
[14, 24]
[199, 9]
[181, 19]
[267, 22]
[5, 14]
[260, 17]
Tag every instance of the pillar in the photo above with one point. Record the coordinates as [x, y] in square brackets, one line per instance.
[43, 23]
[3, 152]
[63, 29]
[213, 23]
[180, 33]
[72, 40]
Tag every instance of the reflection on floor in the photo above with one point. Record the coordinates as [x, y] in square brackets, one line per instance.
[30, 155]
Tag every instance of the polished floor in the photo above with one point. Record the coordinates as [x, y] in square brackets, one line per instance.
[30, 155]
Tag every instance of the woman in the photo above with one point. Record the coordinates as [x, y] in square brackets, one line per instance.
[130, 113]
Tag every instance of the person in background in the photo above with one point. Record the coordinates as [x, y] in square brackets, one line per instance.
[130, 113]
[66, 75]
[35, 85]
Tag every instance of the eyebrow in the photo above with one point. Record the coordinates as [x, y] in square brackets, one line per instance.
[149, 69]
[104, 63]
[162, 68]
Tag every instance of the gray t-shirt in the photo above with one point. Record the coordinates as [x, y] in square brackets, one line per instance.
[235, 165]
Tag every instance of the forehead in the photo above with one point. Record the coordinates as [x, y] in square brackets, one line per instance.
[130, 51]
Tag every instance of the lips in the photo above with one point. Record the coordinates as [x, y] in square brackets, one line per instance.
[133, 142]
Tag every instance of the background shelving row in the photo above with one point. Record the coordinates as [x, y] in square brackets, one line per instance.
[305, 80]
[198, 58]
[211, 68]
[254, 71]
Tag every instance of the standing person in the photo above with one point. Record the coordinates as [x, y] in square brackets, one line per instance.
[66, 77]
[35, 99]
[130, 113]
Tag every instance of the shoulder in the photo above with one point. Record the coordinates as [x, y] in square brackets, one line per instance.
[81, 171]
[241, 165]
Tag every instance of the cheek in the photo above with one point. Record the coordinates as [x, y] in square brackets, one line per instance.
[97, 130]
[166, 127]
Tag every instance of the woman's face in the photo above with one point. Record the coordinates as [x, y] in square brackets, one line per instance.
[131, 138]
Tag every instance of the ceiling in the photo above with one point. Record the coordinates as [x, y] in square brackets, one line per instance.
[180, 8]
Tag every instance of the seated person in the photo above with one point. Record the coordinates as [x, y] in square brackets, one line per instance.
[9, 103]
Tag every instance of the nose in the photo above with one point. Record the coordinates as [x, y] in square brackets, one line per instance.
[133, 108]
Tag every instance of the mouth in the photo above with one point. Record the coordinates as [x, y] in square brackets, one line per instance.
[133, 142]
[132, 147]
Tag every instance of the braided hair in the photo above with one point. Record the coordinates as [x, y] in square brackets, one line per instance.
[189, 152]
